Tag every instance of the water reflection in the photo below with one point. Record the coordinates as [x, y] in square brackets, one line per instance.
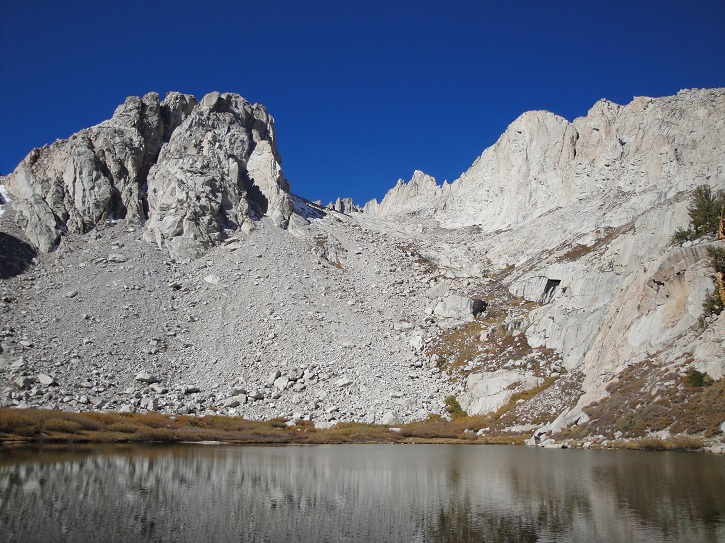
[333, 493]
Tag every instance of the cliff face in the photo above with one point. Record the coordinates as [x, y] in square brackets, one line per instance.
[196, 170]
[617, 161]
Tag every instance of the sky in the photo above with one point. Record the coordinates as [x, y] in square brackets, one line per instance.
[362, 93]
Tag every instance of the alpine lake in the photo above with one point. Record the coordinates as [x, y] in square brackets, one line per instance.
[371, 493]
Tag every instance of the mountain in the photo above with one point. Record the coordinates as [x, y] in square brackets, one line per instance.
[542, 285]
[193, 170]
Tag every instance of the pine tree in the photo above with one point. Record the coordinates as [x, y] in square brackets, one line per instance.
[705, 211]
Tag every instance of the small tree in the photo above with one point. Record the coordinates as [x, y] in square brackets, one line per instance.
[454, 408]
[706, 210]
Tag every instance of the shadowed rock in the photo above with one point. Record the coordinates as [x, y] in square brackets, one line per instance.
[15, 256]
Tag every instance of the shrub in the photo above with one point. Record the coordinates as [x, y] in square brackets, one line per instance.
[21, 423]
[453, 408]
[696, 378]
[717, 259]
[675, 443]
[713, 304]
[681, 235]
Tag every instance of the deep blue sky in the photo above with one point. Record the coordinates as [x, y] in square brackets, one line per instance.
[362, 92]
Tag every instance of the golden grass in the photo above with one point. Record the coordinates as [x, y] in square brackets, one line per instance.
[675, 443]
[648, 399]
[38, 425]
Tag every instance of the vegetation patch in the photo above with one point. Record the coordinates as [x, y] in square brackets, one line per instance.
[579, 251]
[454, 409]
[715, 301]
[46, 426]
[646, 399]
[490, 341]
[706, 210]
[675, 443]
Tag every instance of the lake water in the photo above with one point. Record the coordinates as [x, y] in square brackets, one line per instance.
[375, 493]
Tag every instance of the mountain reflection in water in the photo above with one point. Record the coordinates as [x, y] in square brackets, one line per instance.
[335, 493]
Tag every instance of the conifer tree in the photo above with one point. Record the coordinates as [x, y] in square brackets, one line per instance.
[705, 210]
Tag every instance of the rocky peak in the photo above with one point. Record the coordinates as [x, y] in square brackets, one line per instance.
[197, 170]
[415, 196]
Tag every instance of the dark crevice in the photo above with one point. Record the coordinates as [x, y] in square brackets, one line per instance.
[256, 199]
[550, 290]
[479, 306]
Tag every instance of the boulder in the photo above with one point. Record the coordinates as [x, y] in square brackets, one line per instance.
[487, 391]
[46, 380]
[459, 307]
[281, 382]
[256, 395]
[146, 377]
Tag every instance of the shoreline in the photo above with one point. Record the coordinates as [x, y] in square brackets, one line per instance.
[37, 427]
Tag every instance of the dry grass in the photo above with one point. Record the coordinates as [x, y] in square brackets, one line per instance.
[59, 426]
[578, 251]
[36, 425]
[676, 443]
[647, 399]
[462, 351]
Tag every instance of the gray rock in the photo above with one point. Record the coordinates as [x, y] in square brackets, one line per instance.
[102, 169]
[388, 418]
[146, 377]
[198, 183]
[232, 402]
[459, 307]
[46, 380]
[272, 377]
[158, 388]
[98, 403]
[117, 258]
[212, 279]
[256, 395]
[150, 404]
[281, 383]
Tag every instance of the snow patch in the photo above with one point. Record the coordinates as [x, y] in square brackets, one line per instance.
[306, 209]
